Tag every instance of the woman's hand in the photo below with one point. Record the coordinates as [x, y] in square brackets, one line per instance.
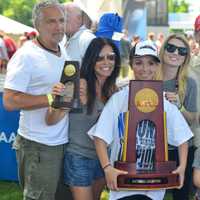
[181, 172]
[83, 91]
[111, 175]
[173, 98]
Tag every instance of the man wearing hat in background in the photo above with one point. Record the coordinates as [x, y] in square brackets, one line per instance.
[195, 73]
[78, 34]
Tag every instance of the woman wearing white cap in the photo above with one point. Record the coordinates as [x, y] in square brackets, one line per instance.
[145, 64]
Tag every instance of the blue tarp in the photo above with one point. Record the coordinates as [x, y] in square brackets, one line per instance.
[8, 128]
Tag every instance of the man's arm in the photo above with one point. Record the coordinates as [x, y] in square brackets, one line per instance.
[15, 100]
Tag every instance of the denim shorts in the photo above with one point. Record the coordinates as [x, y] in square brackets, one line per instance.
[80, 170]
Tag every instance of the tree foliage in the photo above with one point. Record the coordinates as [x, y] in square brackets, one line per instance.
[20, 10]
[4, 5]
[178, 6]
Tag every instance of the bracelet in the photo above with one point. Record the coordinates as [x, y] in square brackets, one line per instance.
[107, 165]
[50, 99]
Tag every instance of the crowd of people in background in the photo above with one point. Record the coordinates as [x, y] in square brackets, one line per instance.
[49, 143]
[8, 46]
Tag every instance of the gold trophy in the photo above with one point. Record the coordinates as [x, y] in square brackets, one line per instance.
[70, 78]
[145, 150]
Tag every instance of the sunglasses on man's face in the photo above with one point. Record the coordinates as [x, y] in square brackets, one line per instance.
[182, 51]
[110, 57]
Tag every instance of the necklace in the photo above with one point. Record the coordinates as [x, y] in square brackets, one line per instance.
[50, 50]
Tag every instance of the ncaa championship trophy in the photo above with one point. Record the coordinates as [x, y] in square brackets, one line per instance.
[145, 147]
[70, 78]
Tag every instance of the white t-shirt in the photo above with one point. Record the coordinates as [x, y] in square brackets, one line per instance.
[33, 70]
[77, 45]
[107, 130]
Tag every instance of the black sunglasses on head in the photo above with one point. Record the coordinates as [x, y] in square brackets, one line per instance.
[182, 51]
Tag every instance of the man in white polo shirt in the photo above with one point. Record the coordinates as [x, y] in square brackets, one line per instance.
[78, 36]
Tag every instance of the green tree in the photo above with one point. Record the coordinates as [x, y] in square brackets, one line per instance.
[20, 10]
[178, 6]
[4, 5]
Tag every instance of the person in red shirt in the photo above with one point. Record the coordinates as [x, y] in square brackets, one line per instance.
[10, 44]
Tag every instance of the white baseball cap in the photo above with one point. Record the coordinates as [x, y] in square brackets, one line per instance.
[146, 48]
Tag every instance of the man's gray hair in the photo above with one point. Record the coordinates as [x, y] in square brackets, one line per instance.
[37, 10]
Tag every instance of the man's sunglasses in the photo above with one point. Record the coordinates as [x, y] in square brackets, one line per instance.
[182, 51]
[110, 57]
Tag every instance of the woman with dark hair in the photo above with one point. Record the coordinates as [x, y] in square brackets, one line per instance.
[99, 70]
[93, 68]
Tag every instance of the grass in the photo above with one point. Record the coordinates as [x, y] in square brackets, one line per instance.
[12, 191]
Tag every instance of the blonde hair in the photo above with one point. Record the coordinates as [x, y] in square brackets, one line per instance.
[183, 69]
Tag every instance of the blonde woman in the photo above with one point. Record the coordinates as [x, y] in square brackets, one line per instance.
[181, 90]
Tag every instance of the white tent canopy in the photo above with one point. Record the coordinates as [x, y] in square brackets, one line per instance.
[11, 26]
[95, 9]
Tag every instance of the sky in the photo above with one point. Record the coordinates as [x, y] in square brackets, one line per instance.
[194, 5]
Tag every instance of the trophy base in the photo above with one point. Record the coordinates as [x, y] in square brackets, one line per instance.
[160, 178]
[75, 104]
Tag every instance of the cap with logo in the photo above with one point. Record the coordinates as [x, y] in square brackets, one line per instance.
[146, 48]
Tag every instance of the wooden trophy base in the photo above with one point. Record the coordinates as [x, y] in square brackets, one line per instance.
[160, 178]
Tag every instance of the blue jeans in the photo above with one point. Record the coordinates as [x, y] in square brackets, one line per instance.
[80, 170]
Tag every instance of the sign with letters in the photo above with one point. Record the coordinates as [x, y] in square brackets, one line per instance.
[8, 130]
